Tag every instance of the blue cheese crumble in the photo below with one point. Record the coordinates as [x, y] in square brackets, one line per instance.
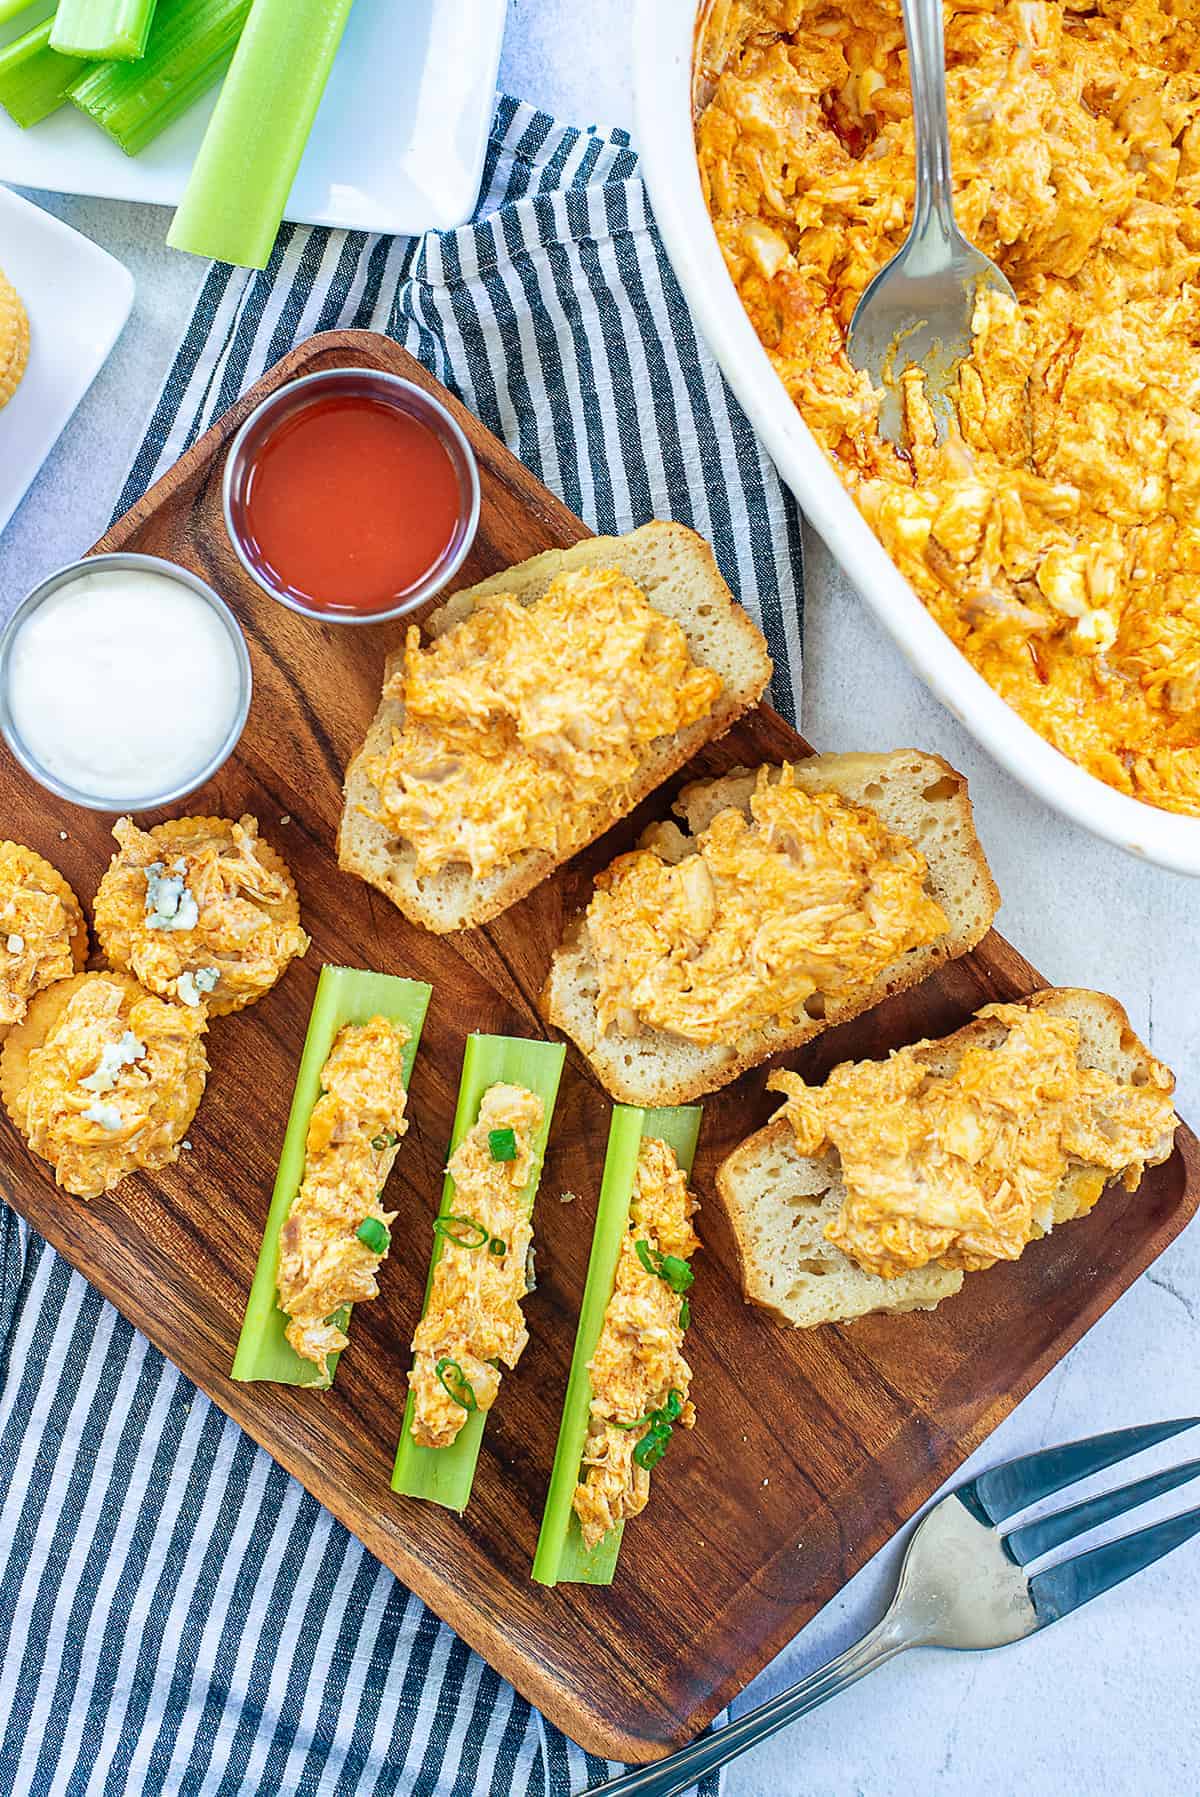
[113, 1056]
[192, 987]
[169, 903]
[106, 1115]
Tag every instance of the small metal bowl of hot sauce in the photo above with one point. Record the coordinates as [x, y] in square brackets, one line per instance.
[351, 496]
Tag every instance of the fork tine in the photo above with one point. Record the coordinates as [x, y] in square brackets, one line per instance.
[1064, 1588]
[1037, 1538]
[1013, 1486]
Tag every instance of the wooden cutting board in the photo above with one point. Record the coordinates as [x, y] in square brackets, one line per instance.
[811, 1449]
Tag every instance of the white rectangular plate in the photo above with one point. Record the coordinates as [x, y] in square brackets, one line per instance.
[78, 298]
[398, 144]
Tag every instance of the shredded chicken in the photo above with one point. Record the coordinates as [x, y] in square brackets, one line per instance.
[473, 1320]
[638, 1364]
[522, 715]
[964, 1167]
[114, 1083]
[810, 894]
[1055, 533]
[42, 934]
[201, 911]
[352, 1141]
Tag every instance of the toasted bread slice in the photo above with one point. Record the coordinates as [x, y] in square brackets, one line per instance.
[779, 1201]
[916, 794]
[678, 574]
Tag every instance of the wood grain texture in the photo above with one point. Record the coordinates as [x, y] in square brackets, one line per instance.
[811, 1449]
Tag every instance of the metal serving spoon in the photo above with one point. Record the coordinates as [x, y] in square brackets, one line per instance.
[918, 308]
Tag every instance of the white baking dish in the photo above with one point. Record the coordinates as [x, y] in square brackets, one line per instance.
[662, 55]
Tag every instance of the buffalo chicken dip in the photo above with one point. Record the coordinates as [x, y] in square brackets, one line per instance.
[520, 716]
[103, 1078]
[713, 937]
[336, 1232]
[473, 1320]
[640, 1379]
[1055, 532]
[966, 1165]
[201, 910]
[43, 936]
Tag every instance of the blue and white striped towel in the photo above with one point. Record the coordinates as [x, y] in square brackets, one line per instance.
[176, 1613]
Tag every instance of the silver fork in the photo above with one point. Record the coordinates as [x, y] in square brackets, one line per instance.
[919, 307]
[963, 1582]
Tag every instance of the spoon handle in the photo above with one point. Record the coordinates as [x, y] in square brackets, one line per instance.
[934, 204]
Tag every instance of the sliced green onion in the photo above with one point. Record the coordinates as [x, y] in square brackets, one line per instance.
[445, 1475]
[502, 1144]
[657, 1420]
[387, 1140]
[191, 45]
[240, 182]
[344, 995]
[373, 1235]
[561, 1555]
[685, 1314]
[678, 1275]
[671, 1267]
[455, 1384]
[650, 1449]
[468, 1232]
[465, 1232]
[34, 79]
[102, 30]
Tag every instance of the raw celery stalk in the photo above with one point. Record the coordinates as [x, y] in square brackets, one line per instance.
[344, 995]
[34, 79]
[12, 9]
[445, 1475]
[240, 182]
[561, 1556]
[103, 30]
[191, 45]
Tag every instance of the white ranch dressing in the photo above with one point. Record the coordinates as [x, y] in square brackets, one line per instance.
[124, 683]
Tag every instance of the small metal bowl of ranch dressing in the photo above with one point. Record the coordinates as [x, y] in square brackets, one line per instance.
[124, 683]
